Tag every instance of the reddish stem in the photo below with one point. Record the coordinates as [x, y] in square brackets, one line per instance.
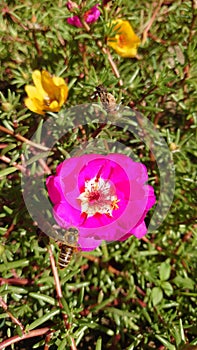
[31, 334]
[13, 318]
[59, 294]
[150, 23]
[16, 281]
[17, 166]
[23, 139]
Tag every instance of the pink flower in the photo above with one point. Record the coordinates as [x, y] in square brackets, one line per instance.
[104, 197]
[89, 17]
[74, 21]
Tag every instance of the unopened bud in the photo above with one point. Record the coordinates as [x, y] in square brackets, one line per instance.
[6, 106]
[71, 5]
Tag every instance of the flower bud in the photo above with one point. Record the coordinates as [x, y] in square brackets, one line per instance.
[6, 106]
[71, 5]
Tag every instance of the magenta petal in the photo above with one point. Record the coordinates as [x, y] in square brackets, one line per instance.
[139, 231]
[54, 189]
[109, 169]
[151, 197]
[115, 229]
[92, 15]
[74, 21]
[134, 170]
[66, 215]
[88, 244]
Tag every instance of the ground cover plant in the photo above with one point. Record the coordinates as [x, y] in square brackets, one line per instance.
[59, 62]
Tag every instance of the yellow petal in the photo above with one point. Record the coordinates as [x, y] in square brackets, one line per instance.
[48, 85]
[37, 79]
[58, 81]
[125, 52]
[34, 106]
[54, 107]
[33, 92]
[55, 87]
[63, 94]
[53, 90]
[126, 28]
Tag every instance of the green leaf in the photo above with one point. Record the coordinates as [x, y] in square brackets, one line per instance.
[186, 283]
[83, 36]
[165, 342]
[8, 171]
[99, 344]
[43, 319]
[8, 148]
[164, 271]
[62, 344]
[156, 295]
[167, 288]
[39, 132]
[14, 265]
[43, 297]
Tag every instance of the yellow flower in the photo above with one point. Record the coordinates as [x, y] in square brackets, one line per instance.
[48, 94]
[125, 42]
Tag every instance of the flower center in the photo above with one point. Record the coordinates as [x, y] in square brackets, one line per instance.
[122, 40]
[98, 197]
[93, 196]
[47, 101]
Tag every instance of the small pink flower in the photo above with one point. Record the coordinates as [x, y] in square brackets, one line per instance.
[92, 15]
[74, 21]
[105, 197]
[89, 16]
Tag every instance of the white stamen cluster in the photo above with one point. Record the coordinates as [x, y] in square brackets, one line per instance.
[98, 197]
